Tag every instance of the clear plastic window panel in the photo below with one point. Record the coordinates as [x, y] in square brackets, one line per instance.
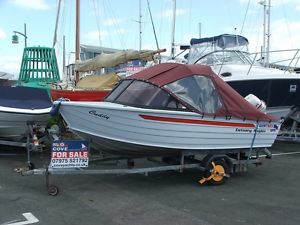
[198, 91]
[143, 94]
[118, 90]
[227, 57]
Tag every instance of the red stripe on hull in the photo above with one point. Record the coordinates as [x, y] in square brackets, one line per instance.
[202, 122]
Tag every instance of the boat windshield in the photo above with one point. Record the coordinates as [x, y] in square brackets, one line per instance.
[143, 94]
[227, 57]
[198, 91]
[223, 49]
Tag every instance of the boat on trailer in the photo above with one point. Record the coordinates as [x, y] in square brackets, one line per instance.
[168, 109]
[20, 106]
[184, 115]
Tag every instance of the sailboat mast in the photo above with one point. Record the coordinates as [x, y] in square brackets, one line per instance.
[77, 39]
[173, 31]
[140, 24]
[264, 34]
[268, 34]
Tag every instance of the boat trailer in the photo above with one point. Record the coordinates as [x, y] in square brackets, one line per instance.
[215, 166]
[33, 141]
[290, 129]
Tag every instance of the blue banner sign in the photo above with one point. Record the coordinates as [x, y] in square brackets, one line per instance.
[69, 154]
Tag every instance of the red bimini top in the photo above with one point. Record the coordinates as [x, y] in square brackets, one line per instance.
[233, 104]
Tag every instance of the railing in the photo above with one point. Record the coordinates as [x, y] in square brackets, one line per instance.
[290, 63]
[278, 61]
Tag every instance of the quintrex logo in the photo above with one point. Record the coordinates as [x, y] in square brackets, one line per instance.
[101, 115]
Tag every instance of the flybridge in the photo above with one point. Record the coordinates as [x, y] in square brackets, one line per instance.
[222, 41]
[202, 47]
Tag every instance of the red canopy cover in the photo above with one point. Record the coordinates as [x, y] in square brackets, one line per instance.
[233, 103]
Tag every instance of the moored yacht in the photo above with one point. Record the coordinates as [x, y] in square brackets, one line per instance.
[229, 57]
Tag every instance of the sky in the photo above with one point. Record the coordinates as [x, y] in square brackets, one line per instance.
[115, 24]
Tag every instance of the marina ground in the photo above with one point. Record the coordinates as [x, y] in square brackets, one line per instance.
[264, 195]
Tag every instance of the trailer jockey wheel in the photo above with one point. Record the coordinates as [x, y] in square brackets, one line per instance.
[216, 172]
[53, 190]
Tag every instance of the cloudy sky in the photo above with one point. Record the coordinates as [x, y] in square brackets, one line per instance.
[114, 24]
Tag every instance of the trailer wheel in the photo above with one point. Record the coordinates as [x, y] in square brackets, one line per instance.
[216, 172]
[31, 166]
[53, 190]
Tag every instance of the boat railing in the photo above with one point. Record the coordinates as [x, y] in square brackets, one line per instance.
[223, 57]
[287, 61]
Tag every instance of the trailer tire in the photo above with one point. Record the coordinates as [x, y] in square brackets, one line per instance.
[53, 190]
[218, 169]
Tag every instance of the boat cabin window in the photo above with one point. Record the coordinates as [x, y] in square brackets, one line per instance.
[227, 57]
[198, 91]
[143, 94]
[118, 90]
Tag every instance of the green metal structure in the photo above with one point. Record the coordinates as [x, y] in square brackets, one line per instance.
[39, 67]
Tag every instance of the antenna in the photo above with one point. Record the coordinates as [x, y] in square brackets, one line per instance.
[266, 33]
[140, 24]
[77, 39]
[173, 31]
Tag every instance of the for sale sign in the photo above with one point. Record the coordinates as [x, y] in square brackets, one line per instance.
[69, 154]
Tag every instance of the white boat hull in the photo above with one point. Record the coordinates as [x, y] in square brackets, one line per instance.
[281, 82]
[13, 122]
[117, 128]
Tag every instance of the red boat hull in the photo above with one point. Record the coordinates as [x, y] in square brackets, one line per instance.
[79, 95]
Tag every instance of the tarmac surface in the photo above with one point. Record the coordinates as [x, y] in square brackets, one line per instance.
[264, 195]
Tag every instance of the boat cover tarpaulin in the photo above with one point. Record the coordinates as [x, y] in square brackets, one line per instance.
[98, 82]
[24, 98]
[110, 60]
[233, 104]
[222, 40]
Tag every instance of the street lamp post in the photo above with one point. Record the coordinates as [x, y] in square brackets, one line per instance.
[15, 37]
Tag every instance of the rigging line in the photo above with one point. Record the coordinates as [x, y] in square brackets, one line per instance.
[70, 27]
[96, 10]
[245, 16]
[56, 24]
[160, 22]
[255, 31]
[139, 34]
[161, 28]
[63, 25]
[228, 10]
[60, 20]
[153, 27]
[118, 31]
[144, 28]
[286, 21]
[63, 19]
[145, 22]
[105, 11]
[189, 20]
